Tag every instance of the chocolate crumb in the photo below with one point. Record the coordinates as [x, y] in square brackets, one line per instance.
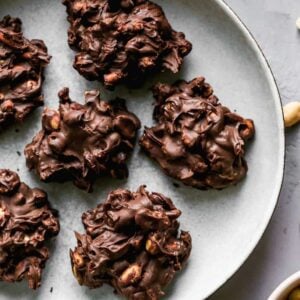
[133, 243]
[22, 64]
[27, 221]
[123, 41]
[83, 142]
[197, 140]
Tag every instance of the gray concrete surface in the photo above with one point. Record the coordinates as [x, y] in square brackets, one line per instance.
[277, 256]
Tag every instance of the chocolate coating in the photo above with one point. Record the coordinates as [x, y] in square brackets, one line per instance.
[26, 222]
[82, 142]
[197, 140]
[22, 63]
[132, 243]
[121, 41]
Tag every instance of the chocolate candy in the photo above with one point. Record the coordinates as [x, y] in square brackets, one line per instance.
[27, 221]
[132, 243]
[197, 140]
[121, 41]
[22, 63]
[82, 142]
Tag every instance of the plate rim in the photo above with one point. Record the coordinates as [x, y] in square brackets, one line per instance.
[228, 10]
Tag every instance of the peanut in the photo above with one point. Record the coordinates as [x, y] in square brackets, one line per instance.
[2, 213]
[151, 247]
[55, 122]
[249, 130]
[113, 77]
[146, 62]
[174, 247]
[291, 112]
[298, 23]
[78, 260]
[78, 6]
[131, 275]
[31, 84]
[77, 275]
[7, 105]
[295, 294]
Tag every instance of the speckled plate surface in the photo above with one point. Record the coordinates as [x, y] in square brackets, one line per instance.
[225, 225]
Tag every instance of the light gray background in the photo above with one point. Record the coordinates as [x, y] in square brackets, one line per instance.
[272, 22]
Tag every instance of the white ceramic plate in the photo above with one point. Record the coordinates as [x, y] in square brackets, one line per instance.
[225, 225]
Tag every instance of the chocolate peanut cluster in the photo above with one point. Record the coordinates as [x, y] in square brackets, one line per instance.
[22, 63]
[197, 140]
[27, 221]
[82, 142]
[121, 41]
[132, 243]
